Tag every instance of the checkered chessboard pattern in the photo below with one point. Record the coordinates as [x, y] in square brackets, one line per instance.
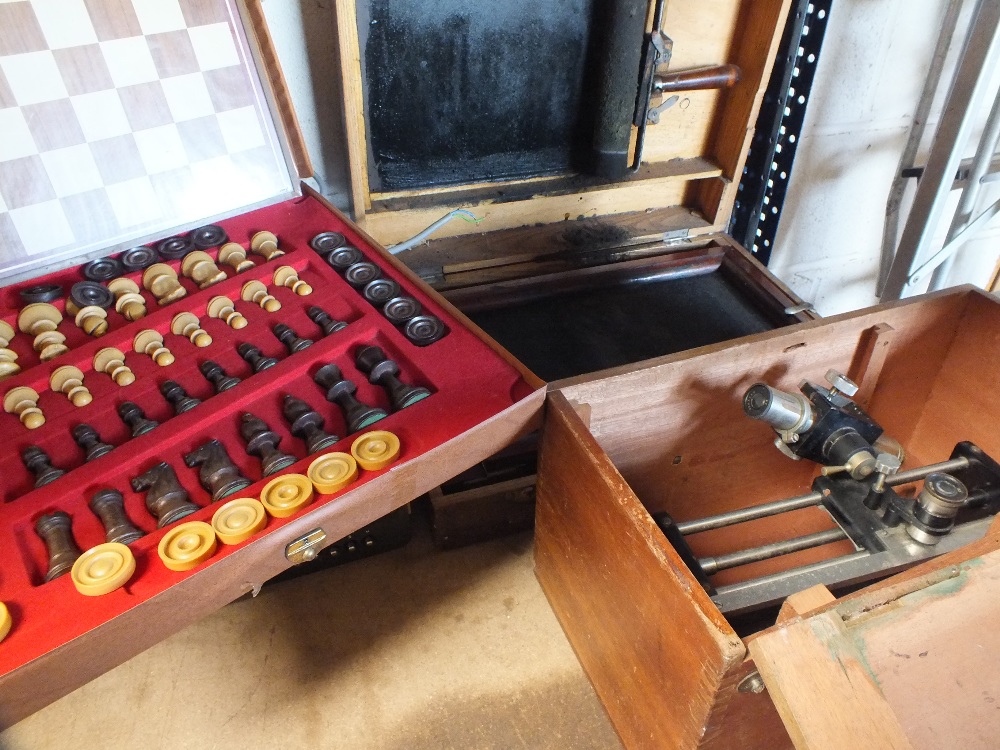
[124, 118]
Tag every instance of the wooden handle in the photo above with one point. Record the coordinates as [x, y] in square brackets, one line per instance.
[698, 79]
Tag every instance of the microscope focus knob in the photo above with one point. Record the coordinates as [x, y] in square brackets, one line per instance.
[841, 383]
[886, 464]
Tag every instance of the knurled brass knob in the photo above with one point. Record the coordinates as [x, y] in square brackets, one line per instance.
[288, 277]
[222, 308]
[234, 256]
[112, 361]
[200, 268]
[266, 244]
[256, 292]
[162, 281]
[187, 324]
[129, 302]
[150, 342]
[23, 401]
[69, 380]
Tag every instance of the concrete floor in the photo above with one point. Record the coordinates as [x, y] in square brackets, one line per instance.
[415, 648]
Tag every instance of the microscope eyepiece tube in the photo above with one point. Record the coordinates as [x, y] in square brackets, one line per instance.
[789, 412]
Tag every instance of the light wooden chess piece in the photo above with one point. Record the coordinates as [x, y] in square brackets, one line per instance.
[222, 308]
[150, 342]
[162, 281]
[129, 302]
[233, 255]
[266, 244]
[8, 357]
[40, 319]
[92, 320]
[23, 402]
[256, 292]
[201, 269]
[69, 380]
[187, 324]
[286, 276]
[112, 361]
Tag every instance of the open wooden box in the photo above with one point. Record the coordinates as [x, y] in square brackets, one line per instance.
[671, 435]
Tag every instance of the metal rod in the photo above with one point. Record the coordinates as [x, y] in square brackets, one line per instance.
[715, 564]
[750, 514]
[915, 475]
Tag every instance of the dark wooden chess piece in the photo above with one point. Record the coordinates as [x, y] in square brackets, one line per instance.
[135, 418]
[56, 530]
[174, 393]
[262, 442]
[292, 341]
[215, 375]
[217, 473]
[88, 439]
[166, 500]
[341, 392]
[324, 320]
[306, 424]
[384, 372]
[39, 464]
[255, 357]
[109, 506]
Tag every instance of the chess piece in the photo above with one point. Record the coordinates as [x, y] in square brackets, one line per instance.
[112, 361]
[201, 269]
[162, 281]
[262, 442]
[325, 243]
[40, 293]
[129, 302]
[234, 256]
[255, 357]
[362, 273]
[56, 530]
[139, 258]
[135, 418]
[322, 318]
[23, 401]
[341, 392]
[178, 398]
[87, 438]
[92, 320]
[38, 463]
[306, 424]
[288, 277]
[266, 244]
[210, 235]
[103, 269]
[109, 506]
[380, 291]
[166, 500]
[215, 375]
[384, 372]
[424, 330]
[150, 342]
[290, 339]
[187, 324]
[398, 310]
[221, 308]
[8, 357]
[69, 381]
[175, 248]
[343, 258]
[256, 292]
[217, 472]
[40, 319]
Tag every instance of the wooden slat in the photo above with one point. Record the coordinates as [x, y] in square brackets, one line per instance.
[354, 107]
[869, 359]
[805, 601]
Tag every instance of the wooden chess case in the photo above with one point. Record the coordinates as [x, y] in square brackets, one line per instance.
[59, 639]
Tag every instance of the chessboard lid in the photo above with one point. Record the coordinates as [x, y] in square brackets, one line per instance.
[124, 121]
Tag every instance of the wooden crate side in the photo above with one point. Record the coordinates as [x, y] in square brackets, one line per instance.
[652, 642]
[354, 107]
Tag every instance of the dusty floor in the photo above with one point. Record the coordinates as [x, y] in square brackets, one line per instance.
[415, 648]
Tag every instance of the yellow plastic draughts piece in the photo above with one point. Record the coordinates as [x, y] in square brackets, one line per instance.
[375, 450]
[187, 545]
[286, 495]
[238, 520]
[333, 472]
[103, 569]
[5, 621]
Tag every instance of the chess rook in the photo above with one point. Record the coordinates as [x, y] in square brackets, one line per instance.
[109, 506]
[263, 442]
[341, 391]
[56, 530]
[384, 372]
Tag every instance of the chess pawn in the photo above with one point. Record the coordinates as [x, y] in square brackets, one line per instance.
[87, 438]
[129, 302]
[92, 320]
[288, 277]
[322, 318]
[166, 500]
[8, 357]
[234, 256]
[112, 361]
[23, 401]
[262, 442]
[266, 244]
[201, 269]
[384, 372]
[162, 281]
[38, 463]
[217, 472]
[56, 530]
[290, 339]
[69, 380]
[341, 392]
[215, 375]
[187, 324]
[306, 424]
[255, 357]
[150, 342]
[221, 308]
[135, 418]
[40, 319]
[109, 506]
[256, 292]
[174, 393]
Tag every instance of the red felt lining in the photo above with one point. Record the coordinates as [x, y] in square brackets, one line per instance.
[469, 382]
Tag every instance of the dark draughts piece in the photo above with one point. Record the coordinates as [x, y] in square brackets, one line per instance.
[103, 269]
[380, 291]
[210, 235]
[139, 258]
[85, 293]
[41, 293]
[424, 330]
[401, 309]
[343, 257]
[175, 248]
[361, 273]
[326, 242]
